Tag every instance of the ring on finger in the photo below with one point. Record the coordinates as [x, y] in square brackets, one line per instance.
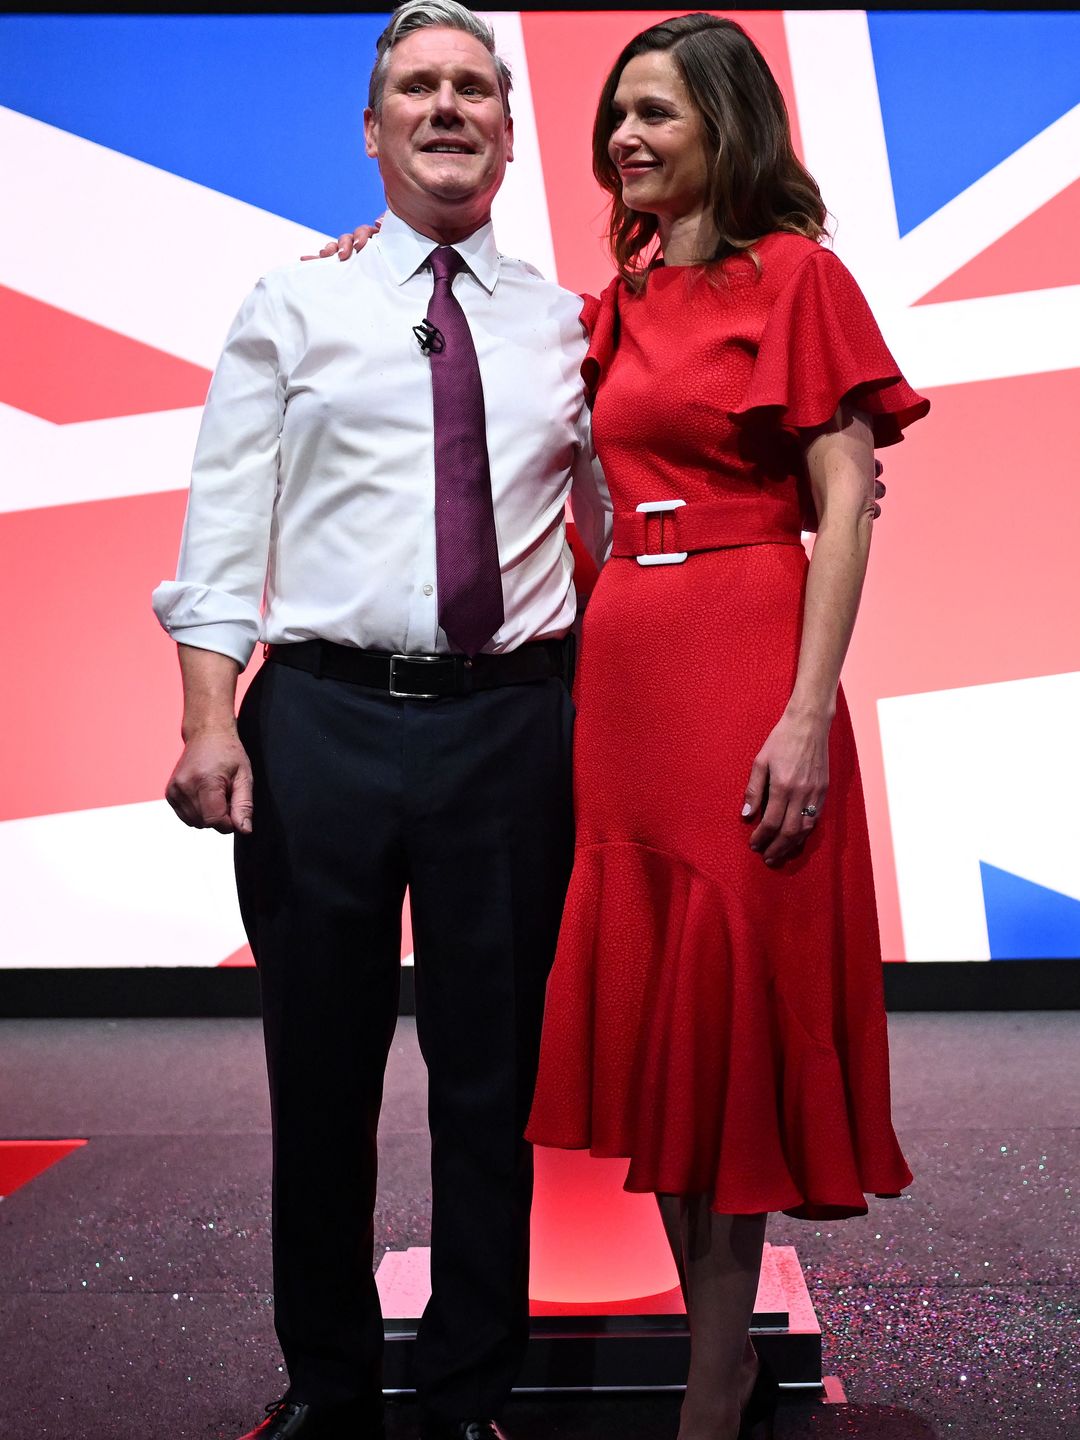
[810, 811]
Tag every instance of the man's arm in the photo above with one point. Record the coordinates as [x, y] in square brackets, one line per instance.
[211, 785]
[590, 499]
[212, 609]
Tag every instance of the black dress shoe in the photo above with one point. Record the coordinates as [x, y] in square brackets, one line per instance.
[462, 1430]
[294, 1420]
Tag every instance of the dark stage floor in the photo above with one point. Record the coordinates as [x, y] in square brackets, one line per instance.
[134, 1274]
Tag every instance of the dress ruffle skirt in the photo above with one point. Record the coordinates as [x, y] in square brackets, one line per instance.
[746, 1106]
[719, 1023]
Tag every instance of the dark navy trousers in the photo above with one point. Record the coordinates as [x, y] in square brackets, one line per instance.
[467, 801]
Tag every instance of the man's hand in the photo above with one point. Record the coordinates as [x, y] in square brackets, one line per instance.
[211, 785]
[346, 245]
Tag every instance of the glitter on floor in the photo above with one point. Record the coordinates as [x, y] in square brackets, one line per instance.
[134, 1273]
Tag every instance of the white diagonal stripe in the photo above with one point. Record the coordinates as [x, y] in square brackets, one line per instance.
[520, 211]
[832, 68]
[124, 885]
[996, 203]
[46, 464]
[966, 776]
[129, 246]
[984, 338]
[1028, 333]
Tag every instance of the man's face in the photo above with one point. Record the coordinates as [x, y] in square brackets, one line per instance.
[442, 138]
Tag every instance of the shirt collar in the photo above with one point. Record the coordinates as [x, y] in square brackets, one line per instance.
[405, 250]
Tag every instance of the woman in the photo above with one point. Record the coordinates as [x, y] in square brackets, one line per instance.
[715, 1012]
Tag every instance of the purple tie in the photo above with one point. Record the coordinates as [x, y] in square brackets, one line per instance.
[466, 549]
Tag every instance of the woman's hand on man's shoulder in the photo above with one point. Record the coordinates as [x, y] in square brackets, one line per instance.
[345, 246]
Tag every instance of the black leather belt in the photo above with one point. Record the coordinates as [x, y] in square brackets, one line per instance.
[428, 677]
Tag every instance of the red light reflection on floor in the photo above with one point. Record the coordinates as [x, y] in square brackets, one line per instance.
[593, 1243]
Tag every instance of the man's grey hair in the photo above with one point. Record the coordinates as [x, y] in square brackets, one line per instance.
[419, 15]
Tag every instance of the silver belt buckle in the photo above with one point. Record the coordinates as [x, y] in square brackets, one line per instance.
[413, 660]
[670, 557]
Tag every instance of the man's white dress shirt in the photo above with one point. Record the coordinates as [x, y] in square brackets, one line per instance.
[312, 505]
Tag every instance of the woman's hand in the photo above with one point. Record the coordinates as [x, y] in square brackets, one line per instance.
[347, 245]
[789, 777]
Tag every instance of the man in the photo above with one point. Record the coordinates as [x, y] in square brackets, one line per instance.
[378, 494]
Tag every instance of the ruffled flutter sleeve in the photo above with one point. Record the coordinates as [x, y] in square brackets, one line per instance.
[821, 345]
[601, 321]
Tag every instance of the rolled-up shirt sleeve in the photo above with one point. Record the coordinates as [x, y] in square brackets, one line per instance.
[216, 599]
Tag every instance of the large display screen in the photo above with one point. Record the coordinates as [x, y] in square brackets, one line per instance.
[151, 168]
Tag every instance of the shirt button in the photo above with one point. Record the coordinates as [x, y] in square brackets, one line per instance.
[429, 589]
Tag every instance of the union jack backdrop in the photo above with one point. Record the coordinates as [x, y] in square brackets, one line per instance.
[152, 168]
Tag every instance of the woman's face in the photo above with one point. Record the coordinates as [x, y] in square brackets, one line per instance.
[658, 144]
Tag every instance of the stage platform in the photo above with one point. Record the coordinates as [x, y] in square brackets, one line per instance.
[635, 1345]
[135, 1268]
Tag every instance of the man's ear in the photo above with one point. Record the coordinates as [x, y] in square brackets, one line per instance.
[371, 133]
[509, 138]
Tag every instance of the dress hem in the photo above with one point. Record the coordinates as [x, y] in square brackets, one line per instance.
[795, 1206]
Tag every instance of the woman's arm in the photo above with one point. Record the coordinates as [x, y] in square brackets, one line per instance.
[791, 772]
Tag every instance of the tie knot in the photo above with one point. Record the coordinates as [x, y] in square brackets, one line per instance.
[446, 262]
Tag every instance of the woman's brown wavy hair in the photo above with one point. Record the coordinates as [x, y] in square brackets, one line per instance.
[757, 184]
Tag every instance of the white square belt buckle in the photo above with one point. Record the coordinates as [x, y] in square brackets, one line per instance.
[670, 557]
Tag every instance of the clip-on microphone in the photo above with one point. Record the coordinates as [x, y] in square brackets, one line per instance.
[429, 338]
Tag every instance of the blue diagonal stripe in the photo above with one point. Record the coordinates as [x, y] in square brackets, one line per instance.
[1026, 921]
[267, 108]
[961, 91]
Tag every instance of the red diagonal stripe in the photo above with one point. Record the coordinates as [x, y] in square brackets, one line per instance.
[89, 687]
[65, 369]
[1037, 254]
[22, 1160]
[241, 958]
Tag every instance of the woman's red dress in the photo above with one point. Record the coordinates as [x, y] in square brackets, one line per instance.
[719, 1023]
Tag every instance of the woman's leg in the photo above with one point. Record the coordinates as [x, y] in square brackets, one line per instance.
[721, 1264]
[673, 1214]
